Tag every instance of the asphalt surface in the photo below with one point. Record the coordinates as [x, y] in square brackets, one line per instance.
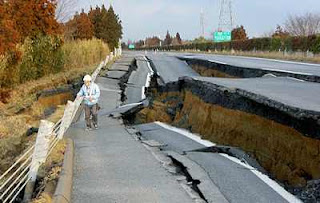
[289, 91]
[137, 81]
[236, 183]
[108, 162]
[258, 63]
[170, 68]
[112, 166]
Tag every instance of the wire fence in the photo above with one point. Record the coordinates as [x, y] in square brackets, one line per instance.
[15, 179]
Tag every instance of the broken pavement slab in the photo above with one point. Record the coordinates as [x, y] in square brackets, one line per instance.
[209, 190]
[152, 143]
[236, 182]
[115, 74]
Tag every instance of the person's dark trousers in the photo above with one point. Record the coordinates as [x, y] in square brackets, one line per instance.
[91, 110]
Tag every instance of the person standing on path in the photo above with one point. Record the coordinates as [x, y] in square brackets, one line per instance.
[90, 93]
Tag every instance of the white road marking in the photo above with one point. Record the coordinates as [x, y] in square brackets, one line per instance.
[274, 185]
[275, 60]
[285, 71]
[132, 104]
[215, 61]
[296, 79]
[266, 59]
[148, 79]
[186, 133]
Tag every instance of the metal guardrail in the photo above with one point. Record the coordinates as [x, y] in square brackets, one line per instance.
[23, 172]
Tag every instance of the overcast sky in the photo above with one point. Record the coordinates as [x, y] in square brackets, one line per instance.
[143, 18]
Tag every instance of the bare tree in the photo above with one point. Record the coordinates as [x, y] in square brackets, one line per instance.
[65, 9]
[303, 25]
[267, 34]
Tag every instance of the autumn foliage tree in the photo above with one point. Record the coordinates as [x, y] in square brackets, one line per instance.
[152, 41]
[178, 37]
[33, 17]
[32, 21]
[280, 33]
[106, 25]
[168, 39]
[32, 25]
[80, 27]
[9, 37]
[239, 33]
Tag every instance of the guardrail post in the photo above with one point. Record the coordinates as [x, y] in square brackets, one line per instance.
[76, 113]
[107, 60]
[66, 119]
[39, 156]
[111, 56]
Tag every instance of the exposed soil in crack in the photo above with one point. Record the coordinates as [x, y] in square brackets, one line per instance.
[280, 151]
[215, 69]
[182, 170]
[124, 79]
[177, 169]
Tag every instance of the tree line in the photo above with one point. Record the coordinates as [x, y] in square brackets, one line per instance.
[32, 40]
[99, 23]
[298, 33]
[156, 41]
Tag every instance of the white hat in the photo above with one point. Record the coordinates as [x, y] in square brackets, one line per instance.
[87, 78]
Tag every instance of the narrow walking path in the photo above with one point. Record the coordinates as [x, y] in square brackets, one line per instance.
[111, 166]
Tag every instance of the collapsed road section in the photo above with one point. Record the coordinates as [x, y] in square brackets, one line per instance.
[218, 176]
[249, 67]
[275, 120]
[284, 139]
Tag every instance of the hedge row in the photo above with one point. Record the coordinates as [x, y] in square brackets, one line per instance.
[310, 43]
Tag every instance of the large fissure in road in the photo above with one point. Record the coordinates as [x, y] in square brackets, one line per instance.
[285, 143]
[216, 69]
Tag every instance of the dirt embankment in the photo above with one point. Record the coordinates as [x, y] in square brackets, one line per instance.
[287, 153]
[25, 107]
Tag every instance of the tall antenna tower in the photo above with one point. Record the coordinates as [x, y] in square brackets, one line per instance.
[226, 20]
[202, 22]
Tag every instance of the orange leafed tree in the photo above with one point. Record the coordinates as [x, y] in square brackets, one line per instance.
[80, 27]
[34, 16]
[239, 33]
[9, 37]
[84, 26]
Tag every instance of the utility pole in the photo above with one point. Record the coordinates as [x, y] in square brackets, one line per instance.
[202, 22]
[226, 20]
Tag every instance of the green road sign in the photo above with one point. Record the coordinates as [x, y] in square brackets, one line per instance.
[131, 46]
[222, 36]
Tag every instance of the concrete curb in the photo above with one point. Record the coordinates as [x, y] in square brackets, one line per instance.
[64, 187]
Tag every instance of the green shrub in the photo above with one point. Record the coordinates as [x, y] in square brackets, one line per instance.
[9, 71]
[315, 45]
[276, 44]
[42, 56]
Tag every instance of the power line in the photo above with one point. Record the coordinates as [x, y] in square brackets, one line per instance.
[202, 22]
[226, 19]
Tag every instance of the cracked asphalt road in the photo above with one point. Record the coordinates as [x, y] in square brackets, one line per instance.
[111, 166]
